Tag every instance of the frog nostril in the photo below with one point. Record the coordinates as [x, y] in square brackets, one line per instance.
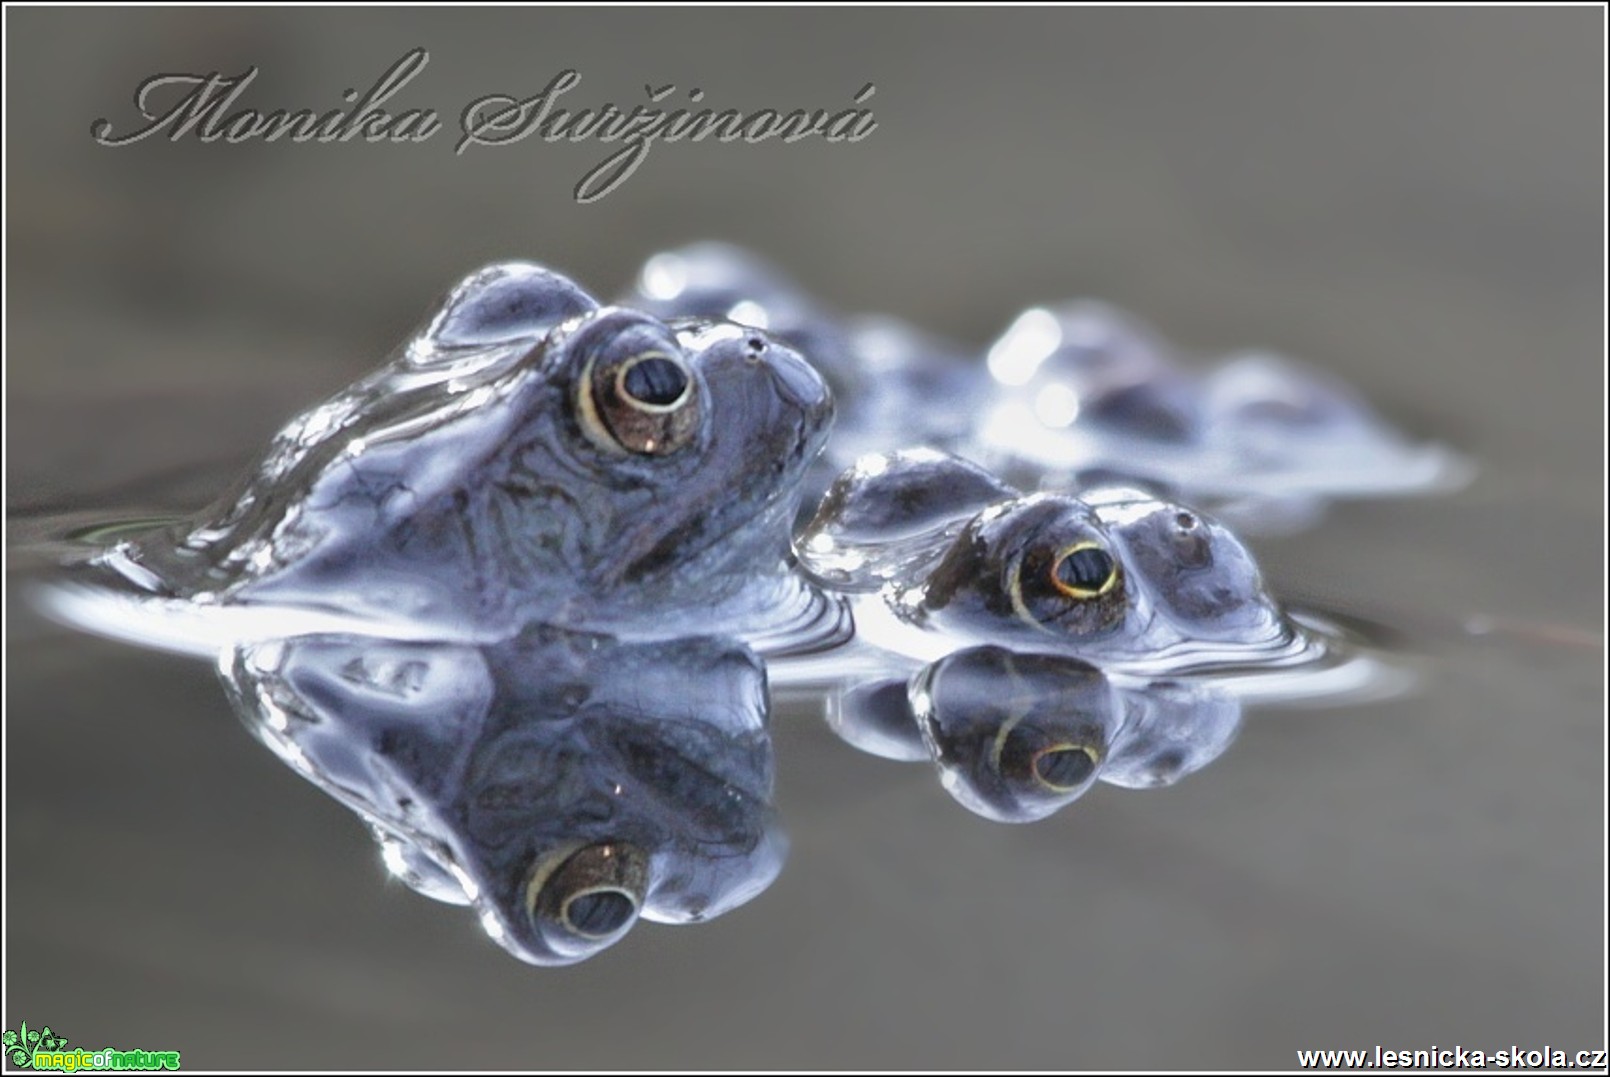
[599, 912]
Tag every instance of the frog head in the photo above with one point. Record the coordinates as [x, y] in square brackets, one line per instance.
[528, 456]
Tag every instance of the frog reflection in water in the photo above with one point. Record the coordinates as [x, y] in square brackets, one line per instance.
[562, 783]
[529, 456]
[1018, 736]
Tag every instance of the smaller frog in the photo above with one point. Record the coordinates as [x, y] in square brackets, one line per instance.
[564, 784]
[528, 456]
[1114, 576]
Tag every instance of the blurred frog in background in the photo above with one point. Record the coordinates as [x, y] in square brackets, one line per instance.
[1069, 396]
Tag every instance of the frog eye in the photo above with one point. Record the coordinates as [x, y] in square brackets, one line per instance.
[645, 403]
[1068, 587]
[1084, 570]
[590, 898]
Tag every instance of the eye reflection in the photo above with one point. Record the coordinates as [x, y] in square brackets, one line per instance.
[599, 913]
[592, 895]
[1062, 767]
[1015, 736]
[1020, 736]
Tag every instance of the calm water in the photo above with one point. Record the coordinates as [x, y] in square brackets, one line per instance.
[1423, 870]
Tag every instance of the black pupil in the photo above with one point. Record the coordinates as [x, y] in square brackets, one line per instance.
[1085, 570]
[1064, 767]
[599, 913]
[655, 381]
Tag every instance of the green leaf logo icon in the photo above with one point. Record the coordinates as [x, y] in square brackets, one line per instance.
[20, 1045]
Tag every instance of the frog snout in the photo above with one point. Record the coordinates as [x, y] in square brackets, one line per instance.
[801, 389]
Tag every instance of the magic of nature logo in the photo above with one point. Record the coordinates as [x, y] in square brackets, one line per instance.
[43, 1049]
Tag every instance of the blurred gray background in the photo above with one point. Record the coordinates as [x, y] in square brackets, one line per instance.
[1412, 198]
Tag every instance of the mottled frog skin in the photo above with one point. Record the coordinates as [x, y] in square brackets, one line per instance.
[1114, 576]
[529, 456]
[564, 784]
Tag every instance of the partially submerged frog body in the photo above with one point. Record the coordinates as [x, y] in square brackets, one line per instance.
[889, 516]
[1083, 391]
[1017, 736]
[1114, 576]
[530, 456]
[562, 783]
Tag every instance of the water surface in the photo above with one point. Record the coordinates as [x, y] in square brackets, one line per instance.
[1424, 869]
